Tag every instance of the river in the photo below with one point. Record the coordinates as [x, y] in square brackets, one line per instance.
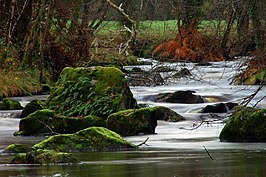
[177, 149]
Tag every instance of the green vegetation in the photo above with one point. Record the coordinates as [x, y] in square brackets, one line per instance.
[33, 106]
[143, 120]
[43, 157]
[9, 104]
[16, 148]
[17, 83]
[245, 125]
[96, 91]
[89, 139]
[47, 121]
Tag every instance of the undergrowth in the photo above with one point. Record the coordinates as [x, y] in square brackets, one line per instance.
[18, 83]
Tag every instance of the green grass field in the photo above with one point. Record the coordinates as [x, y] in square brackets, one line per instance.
[161, 30]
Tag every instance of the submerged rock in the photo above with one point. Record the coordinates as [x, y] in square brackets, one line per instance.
[33, 106]
[89, 139]
[245, 125]
[143, 120]
[179, 97]
[43, 157]
[9, 104]
[98, 91]
[48, 122]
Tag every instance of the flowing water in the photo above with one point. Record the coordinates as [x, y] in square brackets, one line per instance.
[187, 148]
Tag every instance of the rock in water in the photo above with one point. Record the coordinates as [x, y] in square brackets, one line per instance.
[245, 125]
[98, 91]
[89, 139]
[136, 121]
[33, 106]
[46, 121]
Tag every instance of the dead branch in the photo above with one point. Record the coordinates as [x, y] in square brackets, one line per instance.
[208, 153]
[144, 142]
[132, 31]
[248, 99]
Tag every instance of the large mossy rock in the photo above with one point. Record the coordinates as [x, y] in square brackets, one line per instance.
[143, 120]
[245, 125]
[9, 104]
[48, 122]
[98, 91]
[43, 157]
[33, 106]
[89, 139]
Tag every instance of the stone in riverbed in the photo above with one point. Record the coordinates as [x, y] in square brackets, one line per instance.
[245, 125]
[187, 97]
[48, 122]
[33, 106]
[219, 108]
[9, 104]
[43, 157]
[89, 139]
[143, 120]
[98, 91]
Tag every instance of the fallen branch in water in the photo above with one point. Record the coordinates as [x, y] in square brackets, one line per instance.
[208, 153]
[144, 142]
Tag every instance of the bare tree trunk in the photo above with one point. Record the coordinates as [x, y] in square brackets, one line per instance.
[226, 35]
[257, 26]
[10, 22]
[133, 30]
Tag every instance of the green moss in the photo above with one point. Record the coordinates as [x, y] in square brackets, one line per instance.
[43, 157]
[16, 148]
[144, 120]
[33, 106]
[20, 159]
[94, 138]
[9, 104]
[98, 91]
[256, 78]
[245, 125]
[48, 122]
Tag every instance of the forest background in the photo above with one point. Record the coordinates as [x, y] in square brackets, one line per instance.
[38, 38]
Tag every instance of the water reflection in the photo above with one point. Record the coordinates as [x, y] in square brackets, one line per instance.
[152, 164]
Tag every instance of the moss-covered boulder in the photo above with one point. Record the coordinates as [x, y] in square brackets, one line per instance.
[33, 106]
[89, 139]
[43, 157]
[48, 122]
[9, 104]
[253, 77]
[143, 120]
[245, 125]
[98, 91]
[16, 148]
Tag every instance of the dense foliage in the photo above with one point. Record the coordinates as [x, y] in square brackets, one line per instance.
[48, 36]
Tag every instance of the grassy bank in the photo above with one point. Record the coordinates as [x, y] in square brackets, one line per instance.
[17, 83]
